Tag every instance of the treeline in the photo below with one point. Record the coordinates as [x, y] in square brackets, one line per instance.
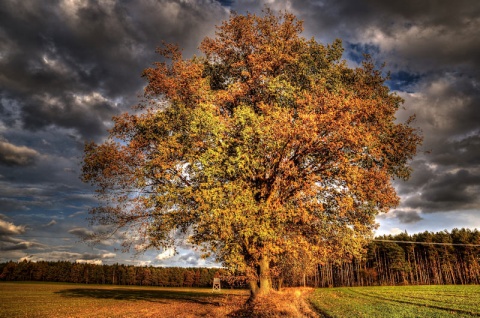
[116, 274]
[421, 259]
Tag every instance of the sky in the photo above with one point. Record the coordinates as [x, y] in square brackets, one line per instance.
[68, 66]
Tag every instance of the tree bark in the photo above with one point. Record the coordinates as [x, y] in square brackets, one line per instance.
[265, 285]
[280, 283]
[264, 279]
[253, 287]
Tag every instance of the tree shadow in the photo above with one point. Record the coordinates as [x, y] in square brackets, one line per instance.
[159, 296]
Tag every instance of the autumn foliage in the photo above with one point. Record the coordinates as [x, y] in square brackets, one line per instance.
[266, 151]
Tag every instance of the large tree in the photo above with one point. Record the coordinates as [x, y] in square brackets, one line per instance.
[267, 149]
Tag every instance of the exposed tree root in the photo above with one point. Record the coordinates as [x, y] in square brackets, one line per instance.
[290, 302]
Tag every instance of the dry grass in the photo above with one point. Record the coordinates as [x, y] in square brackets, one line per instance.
[81, 301]
[71, 300]
[288, 303]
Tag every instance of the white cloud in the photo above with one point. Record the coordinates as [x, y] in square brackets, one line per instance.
[109, 255]
[143, 263]
[8, 228]
[166, 254]
[395, 231]
[90, 261]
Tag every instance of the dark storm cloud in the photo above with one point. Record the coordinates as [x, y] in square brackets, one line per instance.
[45, 66]
[427, 12]
[447, 178]
[467, 150]
[453, 188]
[407, 217]
[349, 18]
[447, 191]
[73, 64]
[20, 246]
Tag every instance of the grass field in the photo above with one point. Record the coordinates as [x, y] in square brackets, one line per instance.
[398, 301]
[73, 300]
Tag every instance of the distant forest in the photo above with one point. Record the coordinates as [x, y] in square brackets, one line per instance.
[117, 274]
[420, 259]
[424, 259]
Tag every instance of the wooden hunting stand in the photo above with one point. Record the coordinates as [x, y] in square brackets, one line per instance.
[216, 284]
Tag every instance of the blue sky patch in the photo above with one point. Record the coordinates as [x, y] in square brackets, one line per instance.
[226, 3]
[403, 81]
[356, 51]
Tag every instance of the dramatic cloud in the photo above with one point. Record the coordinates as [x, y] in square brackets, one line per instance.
[447, 177]
[12, 155]
[24, 245]
[405, 217]
[8, 228]
[10, 242]
[75, 68]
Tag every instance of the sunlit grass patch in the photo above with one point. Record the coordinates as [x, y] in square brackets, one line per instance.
[399, 301]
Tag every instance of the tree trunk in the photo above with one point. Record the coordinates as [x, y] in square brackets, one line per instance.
[253, 288]
[280, 283]
[265, 283]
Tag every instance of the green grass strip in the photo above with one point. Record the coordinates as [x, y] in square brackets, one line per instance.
[398, 301]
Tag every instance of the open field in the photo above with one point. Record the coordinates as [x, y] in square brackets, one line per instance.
[399, 301]
[77, 300]
[74, 300]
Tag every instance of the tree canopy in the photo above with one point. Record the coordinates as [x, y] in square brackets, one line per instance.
[265, 150]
